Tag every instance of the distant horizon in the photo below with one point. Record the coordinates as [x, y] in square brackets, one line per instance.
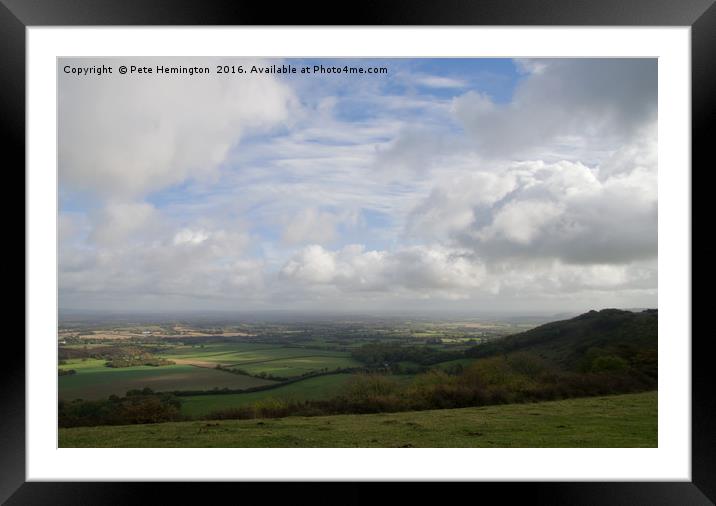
[396, 313]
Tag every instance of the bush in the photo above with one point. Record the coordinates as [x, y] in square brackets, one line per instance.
[609, 363]
[149, 409]
[133, 409]
[380, 354]
[363, 387]
[527, 364]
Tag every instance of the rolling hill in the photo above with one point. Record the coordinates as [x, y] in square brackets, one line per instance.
[606, 338]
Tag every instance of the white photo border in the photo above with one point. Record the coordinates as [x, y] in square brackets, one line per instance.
[670, 461]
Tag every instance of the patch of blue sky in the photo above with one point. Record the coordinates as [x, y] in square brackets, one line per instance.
[182, 193]
[495, 77]
[415, 91]
[435, 77]
[69, 201]
[265, 239]
[376, 231]
[374, 218]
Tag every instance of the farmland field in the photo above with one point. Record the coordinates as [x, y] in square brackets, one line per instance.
[95, 381]
[321, 387]
[296, 366]
[262, 358]
[625, 421]
[194, 369]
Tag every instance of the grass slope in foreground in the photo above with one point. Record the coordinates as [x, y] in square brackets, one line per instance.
[625, 421]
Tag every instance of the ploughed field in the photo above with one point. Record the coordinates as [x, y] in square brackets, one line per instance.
[195, 368]
[626, 421]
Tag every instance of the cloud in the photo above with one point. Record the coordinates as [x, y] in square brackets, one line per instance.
[312, 265]
[438, 272]
[353, 268]
[452, 203]
[564, 211]
[414, 151]
[264, 192]
[189, 236]
[312, 225]
[439, 81]
[125, 137]
[131, 135]
[153, 257]
[120, 222]
[522, 221]
[592, 103]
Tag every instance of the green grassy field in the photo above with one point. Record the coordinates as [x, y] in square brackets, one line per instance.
[86, 365]
[194, 369]
[95, 381]
[626, 421]
[321, 387]
[296, 366]
[262, 358]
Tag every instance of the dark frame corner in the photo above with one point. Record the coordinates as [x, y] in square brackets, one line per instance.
[700, 15]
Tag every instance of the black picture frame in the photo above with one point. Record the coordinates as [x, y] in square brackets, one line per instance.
[700, 15]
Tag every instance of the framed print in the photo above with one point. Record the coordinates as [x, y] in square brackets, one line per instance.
[441, 244]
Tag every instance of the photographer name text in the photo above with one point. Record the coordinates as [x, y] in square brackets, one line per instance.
[225, 70]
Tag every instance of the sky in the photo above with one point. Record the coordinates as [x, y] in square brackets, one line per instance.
[466, 184]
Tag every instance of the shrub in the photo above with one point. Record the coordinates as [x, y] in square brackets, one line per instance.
[609, 363]
[363, 387]
[527, 364]
[132, 409]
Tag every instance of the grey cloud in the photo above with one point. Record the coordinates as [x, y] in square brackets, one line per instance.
[437, 272]
[353, 269]
[129, 135]
[565, 211]
[600, 101]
